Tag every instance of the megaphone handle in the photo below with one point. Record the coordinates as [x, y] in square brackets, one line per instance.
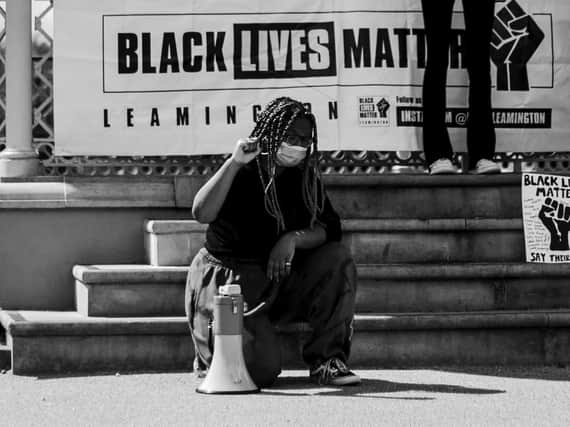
[267, 303]
[255, 310]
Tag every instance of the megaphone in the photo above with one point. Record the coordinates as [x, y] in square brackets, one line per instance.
[228, 373]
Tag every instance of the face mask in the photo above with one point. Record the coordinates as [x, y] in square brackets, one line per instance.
[290, 155]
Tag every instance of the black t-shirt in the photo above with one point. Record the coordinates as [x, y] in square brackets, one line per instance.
[244, 228]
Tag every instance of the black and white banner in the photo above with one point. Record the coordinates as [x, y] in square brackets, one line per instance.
[175, 77]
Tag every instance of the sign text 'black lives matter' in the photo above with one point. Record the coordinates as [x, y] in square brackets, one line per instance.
[205, 52]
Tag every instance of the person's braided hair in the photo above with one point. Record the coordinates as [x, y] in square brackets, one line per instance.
[271, 129]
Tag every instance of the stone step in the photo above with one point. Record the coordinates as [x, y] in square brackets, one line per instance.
[170, 243]
[66, 342]
[407, 196]
[129, 290]
[462, 287]
[434, 240]
[481, 338]
[424, 196]
[140, 290]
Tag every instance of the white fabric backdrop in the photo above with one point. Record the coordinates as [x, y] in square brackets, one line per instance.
[359, 64]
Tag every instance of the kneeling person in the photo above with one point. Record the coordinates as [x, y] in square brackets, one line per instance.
[273, 231]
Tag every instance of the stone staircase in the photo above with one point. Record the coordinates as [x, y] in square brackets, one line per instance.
[442, 280]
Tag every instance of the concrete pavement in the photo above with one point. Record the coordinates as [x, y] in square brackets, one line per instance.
[494, 396]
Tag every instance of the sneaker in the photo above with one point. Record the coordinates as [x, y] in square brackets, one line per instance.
[334, 372]
[486, 167]
[441, 167]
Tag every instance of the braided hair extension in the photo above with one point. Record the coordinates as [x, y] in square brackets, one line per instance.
[271, 129]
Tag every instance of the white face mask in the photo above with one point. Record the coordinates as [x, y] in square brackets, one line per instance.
[290, 155]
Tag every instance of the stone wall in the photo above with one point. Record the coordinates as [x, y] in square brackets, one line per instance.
[47, 226]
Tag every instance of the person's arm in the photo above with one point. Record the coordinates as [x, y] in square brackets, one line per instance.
[308, 238]
[331, 222]
[281, 256]
[210, 198]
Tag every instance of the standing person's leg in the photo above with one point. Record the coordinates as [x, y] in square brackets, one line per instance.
[260, 342]
[321, 290]
[479, 16]
[437, 21]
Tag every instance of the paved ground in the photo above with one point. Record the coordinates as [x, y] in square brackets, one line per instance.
[431, 397]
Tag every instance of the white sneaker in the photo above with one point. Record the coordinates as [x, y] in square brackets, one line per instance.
[486, 167]
[441, 167]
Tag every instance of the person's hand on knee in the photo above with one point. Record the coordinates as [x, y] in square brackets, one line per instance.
[281, 257]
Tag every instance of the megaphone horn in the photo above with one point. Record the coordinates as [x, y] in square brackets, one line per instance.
[228, 373]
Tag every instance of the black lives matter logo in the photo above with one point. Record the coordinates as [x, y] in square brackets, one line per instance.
[373, 111]
[555, 216]
[516, 37]
[383, 107]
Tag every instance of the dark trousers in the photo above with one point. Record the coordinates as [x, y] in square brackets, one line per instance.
[320, 290]
[479, 15]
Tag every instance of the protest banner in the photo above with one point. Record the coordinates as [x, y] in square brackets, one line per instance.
[546, 217]
[177, 77]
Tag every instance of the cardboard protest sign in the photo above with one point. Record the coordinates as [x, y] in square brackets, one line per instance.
[546, 217]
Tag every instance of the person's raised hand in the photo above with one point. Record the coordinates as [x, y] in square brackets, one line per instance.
[246, 150]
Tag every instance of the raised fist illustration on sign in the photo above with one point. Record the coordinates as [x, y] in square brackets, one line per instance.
[383, 106]
[515, 38]
[555, 216]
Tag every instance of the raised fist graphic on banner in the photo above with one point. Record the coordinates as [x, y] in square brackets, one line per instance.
[555, 216]
[515, 38]
[383, 106]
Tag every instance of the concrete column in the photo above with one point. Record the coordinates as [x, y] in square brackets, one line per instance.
[18, 159]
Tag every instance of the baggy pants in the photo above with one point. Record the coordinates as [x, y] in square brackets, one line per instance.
[320, 290]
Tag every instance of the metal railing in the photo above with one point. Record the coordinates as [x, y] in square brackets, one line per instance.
[338, 162]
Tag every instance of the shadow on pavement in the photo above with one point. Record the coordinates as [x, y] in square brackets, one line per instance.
[300, 386]
[549, 373]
